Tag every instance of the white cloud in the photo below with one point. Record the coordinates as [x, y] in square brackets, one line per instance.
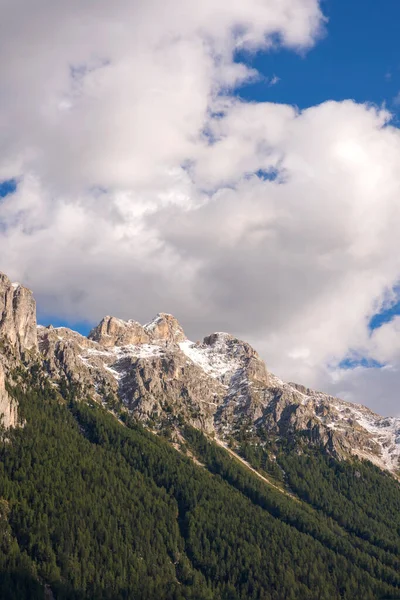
[274, 80]
[146, 186]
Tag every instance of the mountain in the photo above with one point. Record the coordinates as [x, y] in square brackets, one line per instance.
[219, 385]
[135, 463]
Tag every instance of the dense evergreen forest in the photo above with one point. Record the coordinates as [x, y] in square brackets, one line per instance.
[92, 508]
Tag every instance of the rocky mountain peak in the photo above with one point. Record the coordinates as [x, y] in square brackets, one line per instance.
[112, 331]
[239, 352]
[165, 328]
[17, 315]
[229, 344]
[116, 332]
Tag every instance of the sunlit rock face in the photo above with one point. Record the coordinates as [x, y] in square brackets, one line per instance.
[17, 315]
[8, 407]
[116, 332]
[18, 336]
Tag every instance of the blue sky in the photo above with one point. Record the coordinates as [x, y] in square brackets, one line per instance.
[358, 58]
[7, 186]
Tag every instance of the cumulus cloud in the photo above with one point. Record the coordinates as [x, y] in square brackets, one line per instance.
[146, 185]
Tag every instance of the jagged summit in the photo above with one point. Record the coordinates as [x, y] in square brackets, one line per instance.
[220, 385]
[116, 332]
[164, 327]
[112, 331]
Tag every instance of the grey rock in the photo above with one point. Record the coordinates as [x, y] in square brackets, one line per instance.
[17, 315]
[8, 407]
[18, 337]
[116, 332]
[165, 328]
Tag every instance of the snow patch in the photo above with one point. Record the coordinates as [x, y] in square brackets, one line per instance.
[143, 351]
[216, 364]
[383, 431]
[135, 351]
[152, 324]
[85, 361]
[116, 374]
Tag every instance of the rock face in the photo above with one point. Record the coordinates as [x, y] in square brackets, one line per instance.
[18, 335]
[17, 315]
[8, 408]
[165, 328]
[220, 385]
[115, 332]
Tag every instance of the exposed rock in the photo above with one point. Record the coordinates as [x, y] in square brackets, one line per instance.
[166, 383]
[80, 360]
[165, 328]
[8, 407]
[116, 332]
[224, 343]
[17, 315]
[18, 335]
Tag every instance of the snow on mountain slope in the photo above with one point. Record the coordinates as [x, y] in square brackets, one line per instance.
[213, 361]
[384, 431]
[220, 385]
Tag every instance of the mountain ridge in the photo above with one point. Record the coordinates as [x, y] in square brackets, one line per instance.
[220, 385]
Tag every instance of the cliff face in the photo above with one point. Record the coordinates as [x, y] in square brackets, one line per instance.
[17, 315]
[220, 385]
[18, 336]
[8, 407]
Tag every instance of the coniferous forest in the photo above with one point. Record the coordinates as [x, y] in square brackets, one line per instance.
[94, 508]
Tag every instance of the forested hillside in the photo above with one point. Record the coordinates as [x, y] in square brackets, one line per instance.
[94, 508]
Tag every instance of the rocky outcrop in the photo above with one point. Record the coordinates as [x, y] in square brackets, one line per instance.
[61, 351]
[153, 380]
[18, 337]
[115, 332]
[17, 315]
[165, 328]
[8, 407]
[165, 385]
